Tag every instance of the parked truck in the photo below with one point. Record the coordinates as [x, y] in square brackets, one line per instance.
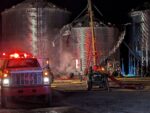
[22, 76]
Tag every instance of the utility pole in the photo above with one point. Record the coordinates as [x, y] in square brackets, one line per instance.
[92, 31]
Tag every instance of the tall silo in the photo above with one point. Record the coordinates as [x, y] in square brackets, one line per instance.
[81, 46]
[32, 26]
[106, 38]
[139, 42]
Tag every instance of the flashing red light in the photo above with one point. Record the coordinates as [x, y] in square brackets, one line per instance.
[25, 55]
[19, 55]
[15, 55]
[95, 67]
[4, 54]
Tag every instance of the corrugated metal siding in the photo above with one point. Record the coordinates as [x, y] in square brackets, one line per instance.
[106, 38]
[31, 26]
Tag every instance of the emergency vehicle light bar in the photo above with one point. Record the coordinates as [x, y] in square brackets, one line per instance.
[16, 55]
[20, 55]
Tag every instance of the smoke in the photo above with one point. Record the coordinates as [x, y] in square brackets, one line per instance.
[67, 63]
[14, 46]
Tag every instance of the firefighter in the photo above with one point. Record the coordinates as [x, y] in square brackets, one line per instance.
[89, 80]
[90, 73]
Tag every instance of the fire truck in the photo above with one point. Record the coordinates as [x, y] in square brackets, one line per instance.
[22, 76]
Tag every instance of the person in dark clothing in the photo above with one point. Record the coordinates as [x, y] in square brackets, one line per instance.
[90, 73]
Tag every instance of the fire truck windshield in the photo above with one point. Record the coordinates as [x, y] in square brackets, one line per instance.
[22, 63]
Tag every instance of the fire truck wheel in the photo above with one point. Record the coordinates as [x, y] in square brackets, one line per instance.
[4, 102]
[48, 100]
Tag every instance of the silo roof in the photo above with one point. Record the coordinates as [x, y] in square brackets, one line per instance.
[35, 4]
[85, 21]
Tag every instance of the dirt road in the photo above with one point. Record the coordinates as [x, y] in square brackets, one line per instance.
[74, 94]
[72, 97]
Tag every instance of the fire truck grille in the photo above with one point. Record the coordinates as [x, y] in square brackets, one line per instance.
[26, 79]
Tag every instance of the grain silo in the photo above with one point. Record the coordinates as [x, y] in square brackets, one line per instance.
[139, 42]
[80, 46]
[32, 26]
[106, 38]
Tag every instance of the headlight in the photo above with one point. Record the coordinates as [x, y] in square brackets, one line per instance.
[46, 73]
[46, 80]
[5, 75]
[6, 82]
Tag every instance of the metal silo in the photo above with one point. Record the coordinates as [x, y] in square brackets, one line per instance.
[106, 38]
[32, 26]
[139, 42]
[80, 44]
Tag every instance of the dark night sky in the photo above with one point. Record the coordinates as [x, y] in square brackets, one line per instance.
[114, 11]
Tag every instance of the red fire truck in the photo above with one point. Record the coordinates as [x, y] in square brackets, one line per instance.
[22, 76]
